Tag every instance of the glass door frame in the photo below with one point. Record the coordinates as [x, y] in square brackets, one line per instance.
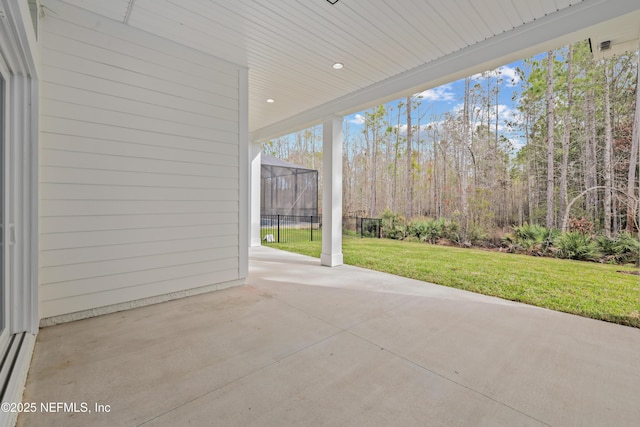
[19, 64]
[5, 314]
[19, 68]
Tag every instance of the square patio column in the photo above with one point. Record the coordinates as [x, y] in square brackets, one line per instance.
[331, 192]
[255, 157]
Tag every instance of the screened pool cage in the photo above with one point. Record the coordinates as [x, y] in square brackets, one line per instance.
[288, 189]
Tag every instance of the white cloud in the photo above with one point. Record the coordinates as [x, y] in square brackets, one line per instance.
[508, 75]
[511, 77]
[358, 119]
[516, 144]
[440, 93]
[509, 114]
[424, 127]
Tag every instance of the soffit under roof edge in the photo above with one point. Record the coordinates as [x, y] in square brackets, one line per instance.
[553, 31]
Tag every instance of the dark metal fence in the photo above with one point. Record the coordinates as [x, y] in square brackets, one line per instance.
[369, 227]
[362, 227]
[290, 228]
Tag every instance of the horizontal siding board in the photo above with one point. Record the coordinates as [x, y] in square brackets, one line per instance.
[68, 272]
[139, 180]
[98, 62]
[82, 239]
[115, 32]
[114, 9]
[132, 207]
[77, 67]
[131, 223]
[134, 164]
[69, 77]
[110, 192]
[86, 58]
[219, 142]
[170, 110]
[143, 151]
[111, 266]
[70, 80]
[68, 175]
[117, 295]
[148, 20]
[72, 258]
[196, 64]
[116, 281]
[115, 118]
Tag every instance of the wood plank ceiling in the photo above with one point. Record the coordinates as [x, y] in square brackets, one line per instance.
[290, 46]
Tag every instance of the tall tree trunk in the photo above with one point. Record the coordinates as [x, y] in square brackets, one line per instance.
[633, 209]
[443, 201]
[550, 142]
[489, 165]
[409, 184]
[394, 191]
[463, 158]
[608, 167]
[566, 140]
[421, 179]
[374, 174]
[530, 184]
[590, 155]
[436, 179]
[372, 146]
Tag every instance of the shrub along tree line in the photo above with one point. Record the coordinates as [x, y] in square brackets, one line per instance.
[579, 243]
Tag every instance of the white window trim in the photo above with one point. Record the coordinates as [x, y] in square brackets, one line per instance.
[18, 54]
[21, 180]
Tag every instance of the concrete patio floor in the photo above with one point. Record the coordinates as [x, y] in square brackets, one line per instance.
[305, 345]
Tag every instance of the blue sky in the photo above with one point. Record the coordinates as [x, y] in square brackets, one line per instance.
[449, 98]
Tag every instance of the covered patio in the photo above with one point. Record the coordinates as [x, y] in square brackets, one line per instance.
[306, 345]
[130, 135]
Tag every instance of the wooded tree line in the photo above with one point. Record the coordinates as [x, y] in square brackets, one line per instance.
[569, 150]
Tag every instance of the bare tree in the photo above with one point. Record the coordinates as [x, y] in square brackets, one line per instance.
[590, 155]
[633, 210]
[564, 198]
[550, 141]
[464, 202]
[409, 183]
[608, 166]
[396, 156]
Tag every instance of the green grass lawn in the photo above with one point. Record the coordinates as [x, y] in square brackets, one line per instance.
[588, 289]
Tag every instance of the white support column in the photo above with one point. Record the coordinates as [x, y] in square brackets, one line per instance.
[244, 214]
[331, 192]
[254, 188]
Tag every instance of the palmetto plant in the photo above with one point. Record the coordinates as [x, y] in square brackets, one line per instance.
[578, 246]
[621, 250]
[429, 231]
[531, 239]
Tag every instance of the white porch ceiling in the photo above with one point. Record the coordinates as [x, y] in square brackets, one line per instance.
[390, 48]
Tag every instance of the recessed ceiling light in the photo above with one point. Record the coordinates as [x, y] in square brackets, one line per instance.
[271, 100]
[338, 65]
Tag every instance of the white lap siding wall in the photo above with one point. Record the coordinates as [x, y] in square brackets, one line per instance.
[139, 167]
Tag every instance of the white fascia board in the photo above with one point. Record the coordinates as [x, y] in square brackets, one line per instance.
[26, 47]
[558, 29]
